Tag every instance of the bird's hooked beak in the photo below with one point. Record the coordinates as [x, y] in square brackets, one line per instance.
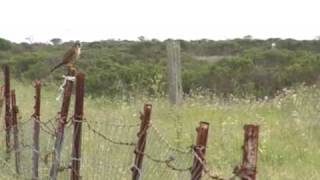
[77, 44]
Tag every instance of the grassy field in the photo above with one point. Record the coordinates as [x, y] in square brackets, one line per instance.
[288, 149]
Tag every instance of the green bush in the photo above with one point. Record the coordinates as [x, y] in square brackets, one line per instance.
[4, 44]
[263, 72]
[124, 68]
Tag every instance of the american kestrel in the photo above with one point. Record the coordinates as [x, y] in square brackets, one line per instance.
[70, 56]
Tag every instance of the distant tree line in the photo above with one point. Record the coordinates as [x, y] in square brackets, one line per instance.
[242, 67]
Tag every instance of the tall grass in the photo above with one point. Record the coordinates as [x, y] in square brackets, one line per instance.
[289, 135]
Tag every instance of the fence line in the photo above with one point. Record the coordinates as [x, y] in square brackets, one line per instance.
[142, 138]
[77, 130]
[250, 152]
[200, 150]
[16, 148]
[7, 116]
[1, 99]
[60, 129]
[36, 131]
[135, 157]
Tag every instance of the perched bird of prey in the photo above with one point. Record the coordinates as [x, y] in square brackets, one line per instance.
[70, 56]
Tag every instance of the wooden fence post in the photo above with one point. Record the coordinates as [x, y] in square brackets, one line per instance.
[15, 131]
[77, 124]
[174, 72]
[36, 132]
[60, 130]
[7, 116]
[250, 152]
[142, 135]
[200, 150]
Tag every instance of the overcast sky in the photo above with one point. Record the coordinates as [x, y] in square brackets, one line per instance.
[89, 20]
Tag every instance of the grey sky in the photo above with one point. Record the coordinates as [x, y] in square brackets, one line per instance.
[89, 20]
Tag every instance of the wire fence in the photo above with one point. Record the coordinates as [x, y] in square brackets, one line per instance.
[132, 150]
[111, 157]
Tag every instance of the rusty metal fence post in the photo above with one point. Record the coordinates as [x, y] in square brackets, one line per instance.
[1, 98]
[60, 129]
[250, 152]
[142, 135]
[77, 124]
[15, 131]
[199, 151]
[36, 132]
[7, 115]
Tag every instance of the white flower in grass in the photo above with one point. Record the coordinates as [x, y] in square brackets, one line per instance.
[294, 98]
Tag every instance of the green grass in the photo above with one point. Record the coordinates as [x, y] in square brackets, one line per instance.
[289, 135]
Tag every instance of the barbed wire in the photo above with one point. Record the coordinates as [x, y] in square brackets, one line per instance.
[167, 161]
[189, 150]
[47, 126]
[238, 172]
[166, 142]
[44, 127]
[112, 124]
[107, 138]
[22, 148]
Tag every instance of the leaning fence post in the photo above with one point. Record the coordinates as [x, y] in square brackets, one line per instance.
[60, 130]
[250, 152]
[15, 131]
[36, 132]
[7, 116]
[77, 127]
[142, 135]
[199, 151]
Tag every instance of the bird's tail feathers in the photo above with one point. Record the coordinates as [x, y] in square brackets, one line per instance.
[57, 66]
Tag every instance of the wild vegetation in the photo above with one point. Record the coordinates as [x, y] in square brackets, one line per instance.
[288, 148]
[226, 83]
[241, 67]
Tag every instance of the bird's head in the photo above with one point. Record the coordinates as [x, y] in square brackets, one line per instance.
[77, 44]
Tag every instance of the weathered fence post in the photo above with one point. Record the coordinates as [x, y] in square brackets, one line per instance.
[7, 116]
[77, 124]
[36, 132]
[15, 131]
[250, 152]
[1, 98]
[60, 130]
[142, 135]
[174, 72]
[199, 151]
